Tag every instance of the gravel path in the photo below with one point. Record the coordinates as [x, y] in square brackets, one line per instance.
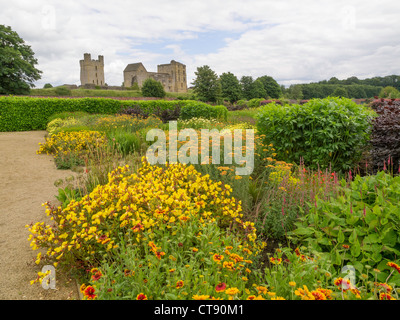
[27, 180]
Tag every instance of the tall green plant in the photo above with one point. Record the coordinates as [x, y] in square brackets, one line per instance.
[323, 132]
[359, 227]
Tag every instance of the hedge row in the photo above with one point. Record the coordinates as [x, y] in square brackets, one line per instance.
[31, 113]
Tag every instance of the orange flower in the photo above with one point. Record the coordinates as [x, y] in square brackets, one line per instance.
[90, 293]
[394, 265]
[200, 297]
[179, 284]
[386, 296]
[275, 260]
[343, 284]
[141, 296]
[159, 254]
[385, 286]
[229, 265]
[218, 258]
[97, 276]
[262, 289]
[220, 287]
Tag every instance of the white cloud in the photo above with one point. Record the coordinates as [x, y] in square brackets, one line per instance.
[292, 41]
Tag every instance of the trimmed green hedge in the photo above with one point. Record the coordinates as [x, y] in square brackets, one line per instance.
[27, 113]
[196, 109]
[32, 113]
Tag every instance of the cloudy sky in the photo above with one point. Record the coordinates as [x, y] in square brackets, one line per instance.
[292, 41]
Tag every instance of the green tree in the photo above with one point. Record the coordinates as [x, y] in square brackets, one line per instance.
[271, 87]
[257, 90]
[17, 63]
[340, 92]
[47, 86]
[230, 87]
[389, 92]
[246, 82]
[207, 86]
[295, 92]
[153, 88]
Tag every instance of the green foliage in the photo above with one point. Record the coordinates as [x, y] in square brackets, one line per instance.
[207, 86]
[257, 90]
[295, 92]
[365, 217]
[254, 103]
[203, 110]
[47, 86]
[125, 142]
[246, 83]
[271, 87]
[323, 90]
[17, 63]
[323, 132]
[153, 88]
[63, 91]
[389, 92]
[230, 87]
[340, 92]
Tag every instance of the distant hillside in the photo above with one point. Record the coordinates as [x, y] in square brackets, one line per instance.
[351, 87]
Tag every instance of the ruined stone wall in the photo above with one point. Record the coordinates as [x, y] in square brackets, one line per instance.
[172, 76]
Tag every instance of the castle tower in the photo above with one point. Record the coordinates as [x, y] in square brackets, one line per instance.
[92, 71]
[177, 72]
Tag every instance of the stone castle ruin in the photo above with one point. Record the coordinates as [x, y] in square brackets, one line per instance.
[172, 75]
[92, 71]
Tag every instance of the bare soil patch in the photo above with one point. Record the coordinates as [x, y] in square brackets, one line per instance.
[26, 181]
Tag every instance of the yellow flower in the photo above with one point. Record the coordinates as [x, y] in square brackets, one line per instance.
[200, 297]
[232, 291]
[262, 289]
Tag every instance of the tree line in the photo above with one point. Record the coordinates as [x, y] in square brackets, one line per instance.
[208, 86]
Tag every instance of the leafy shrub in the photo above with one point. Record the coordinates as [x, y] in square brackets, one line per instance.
[389, 92]
[385, 139]
[135, 111]
[203, 110]
[360, 226]
[323, 132]
[152, 88]
[254, 103]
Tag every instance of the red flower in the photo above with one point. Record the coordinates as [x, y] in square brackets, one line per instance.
[179, 284]
[141, 296]
[220, 287]
[97, 276]
[394, 265]
[90, 293]
[138, 227]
